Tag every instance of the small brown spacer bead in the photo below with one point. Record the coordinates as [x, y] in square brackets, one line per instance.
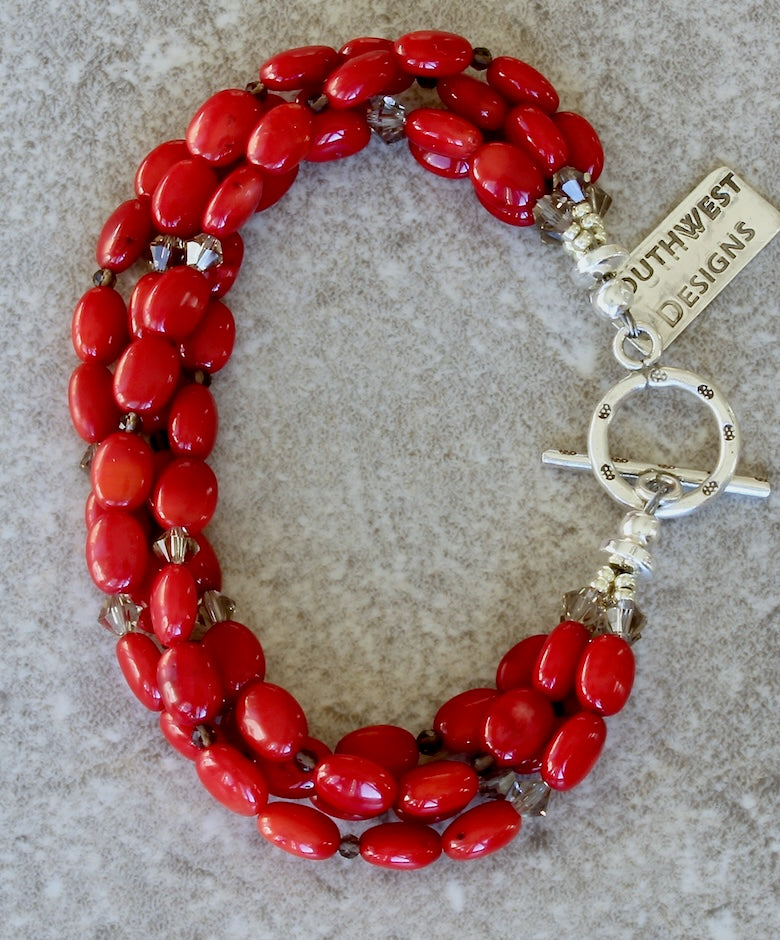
[202, 736]
[482, 763]
[429, 742]
[306, 761]
[482, 58]
[201, 377]
[349, 846]
[257, 89]
[130, 422]
[104, 278]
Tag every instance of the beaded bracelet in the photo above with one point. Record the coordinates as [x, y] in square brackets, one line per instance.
[141, 399]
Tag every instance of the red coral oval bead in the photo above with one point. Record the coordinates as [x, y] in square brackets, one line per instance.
[337, 134]
[516, 669]
[433, 53]
[299, 830]
[93, 411]
[442, 132]
[122, 471]
[99, 327]
[505, 176]
[181, 196]
[234, 202]
[117, 554]
[136, 302]
[556, 666]
[192, 421]
[173, 604]
[400, 845]
[518, 725]
[189, 683]
[447, 167]
[361, 77]
[481, 830]
[124, 236]
[436, 790]
[605, 674]
[210, 345]
[281, 139]
[303, 67]
[174, 303]
[146, 374]
[232, 779]
[179, 736]
[535, 132]
[275, 185]
[363, 44]
[185, 495]
[390, 746]
[221, 277]
[271, 721]
[520, 83]
[204, 565]
[355, 785]
[522, 215]
[582, 142]
[287, 778]
[157, 163]
[221, 126]
[573, 751]
[473, 100]
[138, 658]
[236, 654]
[461, 720]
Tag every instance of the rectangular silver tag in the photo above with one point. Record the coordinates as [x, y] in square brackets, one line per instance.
[697, 250]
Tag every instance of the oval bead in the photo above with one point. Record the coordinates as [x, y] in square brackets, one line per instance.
[124, 236]
[461, 720]
[582, 142]
[157, 163]
[92, 510]
[447, 167]
[473, 100]
[436, 790]
[573, 751]
[221, 277]
[93, 411]
[433, 53]
[535, 132]
[518, 725]
[181, 196]
[363, 44]
[556, 666]
[337, 134]
[281, 138]
[99, 326]
[361, 77]
[522, 215]
[442, 132]
[390, 746]
[481, 830]
[179, 736]
[303, 67]
[117, 554]
[400, 845]
[173, 604]
[300, 830]
[520, 83]
[192, 421]
[135, 304]
[146, 374]
[204, 565]
[287, 779]
[516, 669]
[174, 303]
[234, 201]
[189, 683]
[275, 185]
[122, 471]
[355, 785]
[271, 721]
[185, 494]
[236, 654]
[138, 658]
[605, 674]
[505, 176]
[232, 779]
[210, 345]
[221, 126]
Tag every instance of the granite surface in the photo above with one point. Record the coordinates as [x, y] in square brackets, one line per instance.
[384, 521]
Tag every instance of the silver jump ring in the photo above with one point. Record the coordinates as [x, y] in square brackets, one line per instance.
[632, 336]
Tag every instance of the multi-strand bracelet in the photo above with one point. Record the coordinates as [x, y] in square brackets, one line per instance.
[141, 399]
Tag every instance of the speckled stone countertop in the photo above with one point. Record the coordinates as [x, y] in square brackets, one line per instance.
[384, 521]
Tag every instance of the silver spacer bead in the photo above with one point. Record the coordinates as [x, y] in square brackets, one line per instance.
[612, 298]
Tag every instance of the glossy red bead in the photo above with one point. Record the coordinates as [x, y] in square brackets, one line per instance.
[138, 657]
[505, 176]
[363, 44]
[192, 421]
[281, 138]
[236, 654]
[436, 790]
[221, 277]
[181, 196]
[92, 510]
[573, 751]
[189, 684]
[558, 658]
[362, 77]
[174, 303]
[122, 471]
[124, 236]
[442, 132]
[210, 345]
[179, 736]
[235, 201]
[400, 845]
[337, 134]
[232, 779]
[303, 67]
[99, 326]
[518, 725]
[520, 83]
[275, 185]
[461, 720]
[473, 100]
[433, 53]
[355, 785]
[185, 494]
[605, 674]
[204, 565]
[157, 163]
[286, 778]
[516, 669]
[136, 302]
[521, 216]
[221, 126]
[390, 746]
[300, 830]
[271, 721]
[582, 142]
[448, 167]
[173, 604]
[535, 132]
[93, 411]
[481, 830]
[117, 553]
[146, 374]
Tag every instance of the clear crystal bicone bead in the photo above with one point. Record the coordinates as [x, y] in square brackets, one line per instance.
[176, 545]
[386, 118]
[215, 607]
[203, 252]
[166, 250]
[587, 606]
[119, 615]
[528, 794]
